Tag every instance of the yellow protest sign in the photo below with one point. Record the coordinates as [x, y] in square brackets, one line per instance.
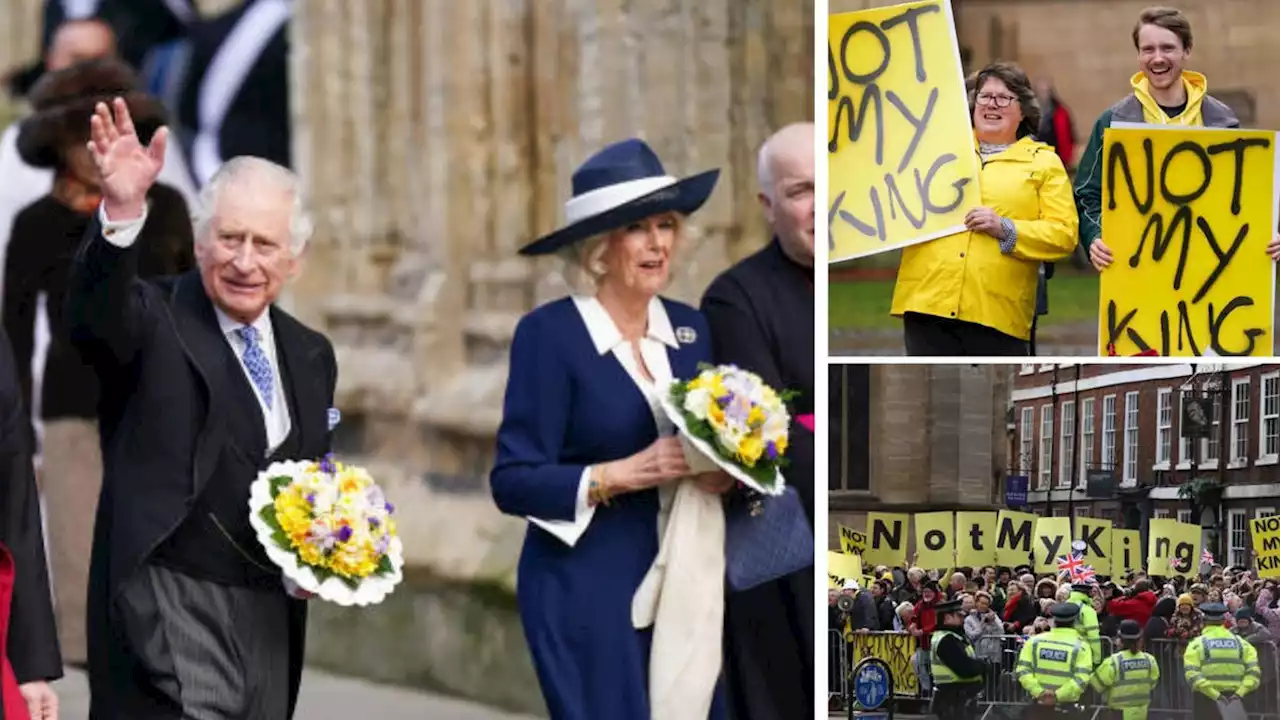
[851, 541]
[901, 160]
[935, 539]
[975, 539]
[1265, 532]
[897, 651]
[1173, 548]
[1126, 551]
[841, 568]
[1014, 534]
[1187, 214]
[1053, 540]
[1096, 536]
[886, 539]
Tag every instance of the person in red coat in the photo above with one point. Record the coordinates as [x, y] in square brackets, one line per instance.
[29, 655]
[1057, 128]
[1136, 605]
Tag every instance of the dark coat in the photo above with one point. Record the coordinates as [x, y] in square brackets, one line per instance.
[32, 644]
[761, 315]
[169, 424]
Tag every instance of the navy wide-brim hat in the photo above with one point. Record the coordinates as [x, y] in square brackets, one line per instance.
[621, 184]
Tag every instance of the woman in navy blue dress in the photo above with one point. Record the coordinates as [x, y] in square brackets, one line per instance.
[584, 451]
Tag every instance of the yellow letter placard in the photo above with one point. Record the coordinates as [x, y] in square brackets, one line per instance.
[1096, 536]
[1053, 540]
[1015, 532]
[900, 145]
[1173, 548]
[852, 541]
[935, 540]
[841, 567]
[887, 539]
[1187, 214]
[1126, 551]
[1265, 532]
[975, 539]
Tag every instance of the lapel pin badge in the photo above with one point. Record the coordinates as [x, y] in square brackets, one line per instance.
[335, 417]
[685, 335]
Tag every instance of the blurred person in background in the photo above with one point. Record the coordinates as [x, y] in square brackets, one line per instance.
[974, 293]
[43, 243]
[232, 88]
[29, 657]
[1057, 129]
[759, 313]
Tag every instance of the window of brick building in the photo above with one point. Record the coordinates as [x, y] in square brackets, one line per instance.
[1026, 440]
[850, 427]
[1130, 438]
[1109, 432]
[1164, 426]
[1269, 427]
[1086, 440]
[1240, 422]
[1066, 449]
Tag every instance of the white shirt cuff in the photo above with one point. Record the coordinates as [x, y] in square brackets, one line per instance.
[570, 531]
[122, 233]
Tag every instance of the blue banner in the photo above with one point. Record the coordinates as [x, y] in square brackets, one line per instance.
[1015, 491]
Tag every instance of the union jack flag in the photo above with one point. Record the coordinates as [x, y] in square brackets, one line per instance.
[1084, 574]
[1206, 557]
[1070, 564]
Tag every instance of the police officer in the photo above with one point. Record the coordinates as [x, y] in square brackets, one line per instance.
[1221, 667]
[1087, 625]
[1054, 667]
[957, 675]
[1127, 678]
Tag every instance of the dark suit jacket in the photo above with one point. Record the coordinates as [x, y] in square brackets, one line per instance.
[33, 639]
[761, 316]
[168, 422]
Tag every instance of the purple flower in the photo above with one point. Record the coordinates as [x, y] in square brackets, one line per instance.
[326, 464]
[311, 499]
[382, 545]
[771, 451]
[724, 400]
[390, 508]
[344, 533]
[374, 523]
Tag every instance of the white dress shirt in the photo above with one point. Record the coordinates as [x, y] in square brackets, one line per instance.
[653, 348]
[276, 419]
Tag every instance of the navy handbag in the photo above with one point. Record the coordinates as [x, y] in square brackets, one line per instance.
[766, 537]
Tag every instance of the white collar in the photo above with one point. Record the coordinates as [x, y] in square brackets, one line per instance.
[228, 325]
[604, 332]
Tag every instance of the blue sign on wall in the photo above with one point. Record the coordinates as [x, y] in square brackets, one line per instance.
[1015, 490]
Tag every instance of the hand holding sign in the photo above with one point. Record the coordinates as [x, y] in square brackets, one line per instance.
[1100, 255]
[984, 220]
[1273, 248]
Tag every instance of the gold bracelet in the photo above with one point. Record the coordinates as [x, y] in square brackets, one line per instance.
[597, 492]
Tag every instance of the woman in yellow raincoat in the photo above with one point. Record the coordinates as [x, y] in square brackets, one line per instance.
[974, 293]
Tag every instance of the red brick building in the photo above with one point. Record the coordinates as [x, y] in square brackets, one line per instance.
[1106, 441]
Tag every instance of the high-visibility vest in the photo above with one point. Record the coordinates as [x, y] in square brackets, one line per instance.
[1052, 659]
[1221, 660]
[1129, 678]
[943, 675]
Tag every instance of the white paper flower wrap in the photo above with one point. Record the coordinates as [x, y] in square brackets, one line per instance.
[369, 590]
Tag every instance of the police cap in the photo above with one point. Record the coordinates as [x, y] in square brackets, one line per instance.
[951, 606]
[1130, 630]
[1214, 611]
[1065, 612]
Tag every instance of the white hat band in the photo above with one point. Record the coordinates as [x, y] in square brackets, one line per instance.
[604, 199]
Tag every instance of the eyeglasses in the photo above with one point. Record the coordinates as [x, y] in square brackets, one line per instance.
[1000, 101]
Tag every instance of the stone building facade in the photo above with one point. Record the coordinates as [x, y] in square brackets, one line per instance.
[1076, 425]
[1086, 48]
[915, 438]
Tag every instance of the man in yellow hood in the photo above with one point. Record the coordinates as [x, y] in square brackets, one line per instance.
[1163, 94]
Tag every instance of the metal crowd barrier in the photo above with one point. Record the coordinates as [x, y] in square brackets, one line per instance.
[1003, 696]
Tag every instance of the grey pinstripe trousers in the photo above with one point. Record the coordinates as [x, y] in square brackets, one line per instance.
[218, 652]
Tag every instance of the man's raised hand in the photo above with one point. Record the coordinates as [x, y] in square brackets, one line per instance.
[127, 170]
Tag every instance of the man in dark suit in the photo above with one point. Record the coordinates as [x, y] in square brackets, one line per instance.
[32, 645]
[761, 317]
[205, 384]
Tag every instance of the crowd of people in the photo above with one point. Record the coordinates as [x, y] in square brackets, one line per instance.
[1003, 607]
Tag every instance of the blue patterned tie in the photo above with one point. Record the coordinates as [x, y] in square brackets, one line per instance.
[255, 361]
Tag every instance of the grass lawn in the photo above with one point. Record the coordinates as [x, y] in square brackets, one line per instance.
[1073, 299]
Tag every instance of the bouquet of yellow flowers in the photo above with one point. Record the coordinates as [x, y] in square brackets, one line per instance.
[732, 420]
[330, 529]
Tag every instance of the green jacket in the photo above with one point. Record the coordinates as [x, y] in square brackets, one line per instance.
[1088, 185]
